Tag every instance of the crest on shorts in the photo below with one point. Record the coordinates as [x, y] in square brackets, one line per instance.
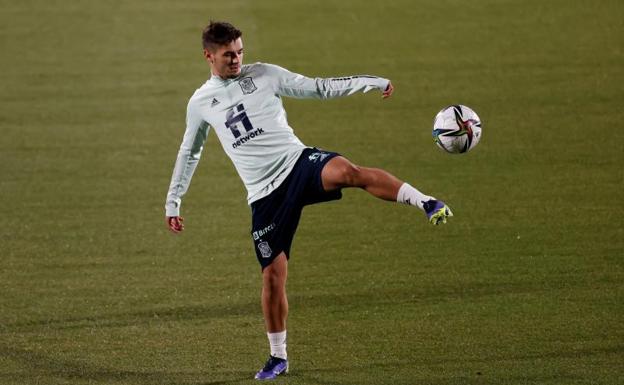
[265, 250]
[247, 85]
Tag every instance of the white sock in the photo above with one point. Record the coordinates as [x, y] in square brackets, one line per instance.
[410, 196]
[278, 344]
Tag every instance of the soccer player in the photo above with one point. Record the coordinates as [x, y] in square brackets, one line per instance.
[243, 105]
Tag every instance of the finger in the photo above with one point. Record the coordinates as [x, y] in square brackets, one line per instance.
[174, 224]
[388, 91]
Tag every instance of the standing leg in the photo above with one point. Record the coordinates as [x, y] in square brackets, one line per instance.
[274, 301]
[275, 310]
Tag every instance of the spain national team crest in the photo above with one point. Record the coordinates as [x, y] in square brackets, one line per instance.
[265, 249]
[247, 85]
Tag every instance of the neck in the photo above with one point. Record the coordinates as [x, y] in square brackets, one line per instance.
[222, 77]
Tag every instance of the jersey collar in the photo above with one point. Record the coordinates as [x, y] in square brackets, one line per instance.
[219, 80]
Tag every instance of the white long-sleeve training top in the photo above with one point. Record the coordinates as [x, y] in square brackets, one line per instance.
[248, 116]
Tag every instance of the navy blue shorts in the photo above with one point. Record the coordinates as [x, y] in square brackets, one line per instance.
[274, 218]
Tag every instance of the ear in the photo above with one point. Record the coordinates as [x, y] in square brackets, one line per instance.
[208, 55]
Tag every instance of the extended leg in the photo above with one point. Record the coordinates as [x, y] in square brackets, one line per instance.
[340, 172]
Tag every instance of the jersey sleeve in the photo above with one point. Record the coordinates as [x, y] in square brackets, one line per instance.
[188, 157]
[294, 85]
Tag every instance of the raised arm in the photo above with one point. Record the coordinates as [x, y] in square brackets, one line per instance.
[291, 84]
[186, 162]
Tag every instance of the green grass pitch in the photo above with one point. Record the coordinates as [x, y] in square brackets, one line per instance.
[525, 285]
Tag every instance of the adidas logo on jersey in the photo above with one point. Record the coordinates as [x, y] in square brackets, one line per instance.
[214, 102]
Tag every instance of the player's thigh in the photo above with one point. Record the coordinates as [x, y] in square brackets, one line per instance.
[340, 172]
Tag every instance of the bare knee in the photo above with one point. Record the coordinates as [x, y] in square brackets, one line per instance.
[340, 172]
[351, 175]
[274, 275]
[272, 280]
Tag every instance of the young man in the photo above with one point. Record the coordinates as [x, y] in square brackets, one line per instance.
[242, 103]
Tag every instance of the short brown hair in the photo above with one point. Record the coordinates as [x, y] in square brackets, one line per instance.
[219, 33]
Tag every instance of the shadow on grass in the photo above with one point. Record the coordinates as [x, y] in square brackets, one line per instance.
[181, 313]
[43, 367]
[390, 372]
[345, 301]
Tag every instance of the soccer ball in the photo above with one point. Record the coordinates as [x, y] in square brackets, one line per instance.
[457, 129]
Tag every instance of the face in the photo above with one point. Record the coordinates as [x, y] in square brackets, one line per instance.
[227, 59]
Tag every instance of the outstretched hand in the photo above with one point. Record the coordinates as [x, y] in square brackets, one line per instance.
[175, 224]
[388, 91]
